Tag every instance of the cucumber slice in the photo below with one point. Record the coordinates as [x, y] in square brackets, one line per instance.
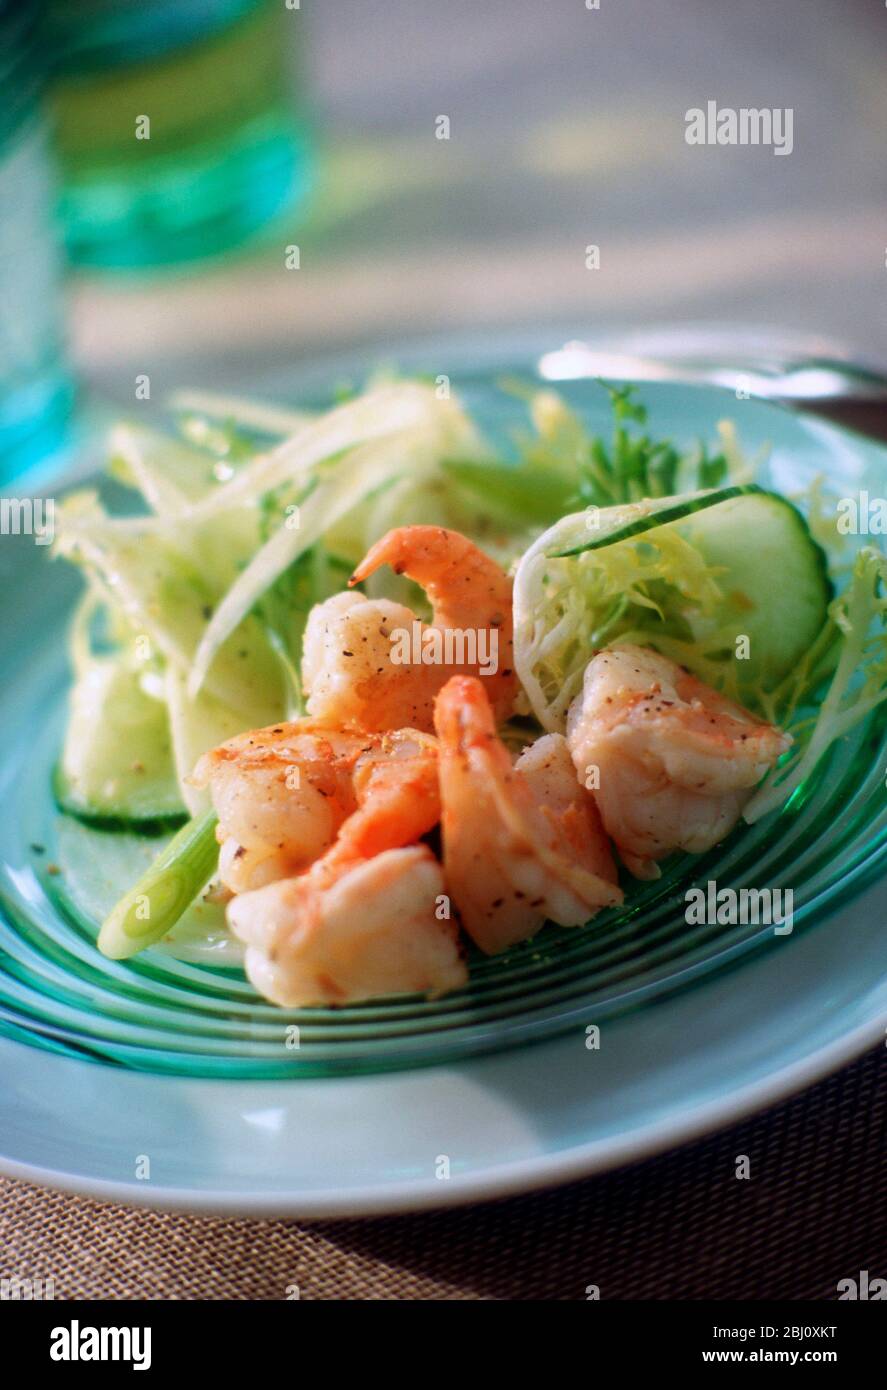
[688, 575]
[630, 519]
[117, 767]
[774, 577]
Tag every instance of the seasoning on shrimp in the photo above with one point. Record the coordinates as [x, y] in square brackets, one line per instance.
[378, 929]
[674, 761]
[369, 917]
[283, 793]
[370, 662]
[522, 843]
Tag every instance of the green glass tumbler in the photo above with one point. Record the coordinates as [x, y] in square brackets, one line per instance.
[35, 388]
[177, 127]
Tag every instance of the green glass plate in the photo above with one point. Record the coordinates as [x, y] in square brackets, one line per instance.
[194, 1013]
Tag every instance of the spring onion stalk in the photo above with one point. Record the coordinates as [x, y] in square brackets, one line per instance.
[155, 904]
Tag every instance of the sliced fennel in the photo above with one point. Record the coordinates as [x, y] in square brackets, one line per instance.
[168, 474]
[375, 415]
[245, 414]
[329, 501]
[202, 722]
[347, 484]
[146, 572]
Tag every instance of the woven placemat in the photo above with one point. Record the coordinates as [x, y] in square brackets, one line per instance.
[683, 1226]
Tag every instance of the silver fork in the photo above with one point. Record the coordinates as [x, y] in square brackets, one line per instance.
[787, 367]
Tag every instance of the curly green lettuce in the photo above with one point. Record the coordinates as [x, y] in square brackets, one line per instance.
[854, 642]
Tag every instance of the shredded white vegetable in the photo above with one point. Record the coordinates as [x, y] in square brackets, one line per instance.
[362, 472]
[251, 415]
[377, 414]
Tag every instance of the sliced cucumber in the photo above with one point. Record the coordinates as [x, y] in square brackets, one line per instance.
[614, 524]
[117, 767]
[774, 577]
[690, 575]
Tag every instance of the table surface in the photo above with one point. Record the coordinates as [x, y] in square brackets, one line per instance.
[682, 1226]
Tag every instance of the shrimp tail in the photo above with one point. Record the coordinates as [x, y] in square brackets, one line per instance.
[463, 720]
[470, 598]
[441, 561]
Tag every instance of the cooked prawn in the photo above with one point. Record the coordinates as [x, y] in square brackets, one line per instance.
[521, 844]
[368, 918]
[282, 794]
[371, 663]
[673, 761]
[375, 930]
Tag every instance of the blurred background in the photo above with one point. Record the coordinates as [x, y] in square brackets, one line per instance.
[318, 175]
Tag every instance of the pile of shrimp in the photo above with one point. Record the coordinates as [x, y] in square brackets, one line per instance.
[329, 824]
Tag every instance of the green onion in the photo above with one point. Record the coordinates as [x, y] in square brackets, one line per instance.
[155, 904]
